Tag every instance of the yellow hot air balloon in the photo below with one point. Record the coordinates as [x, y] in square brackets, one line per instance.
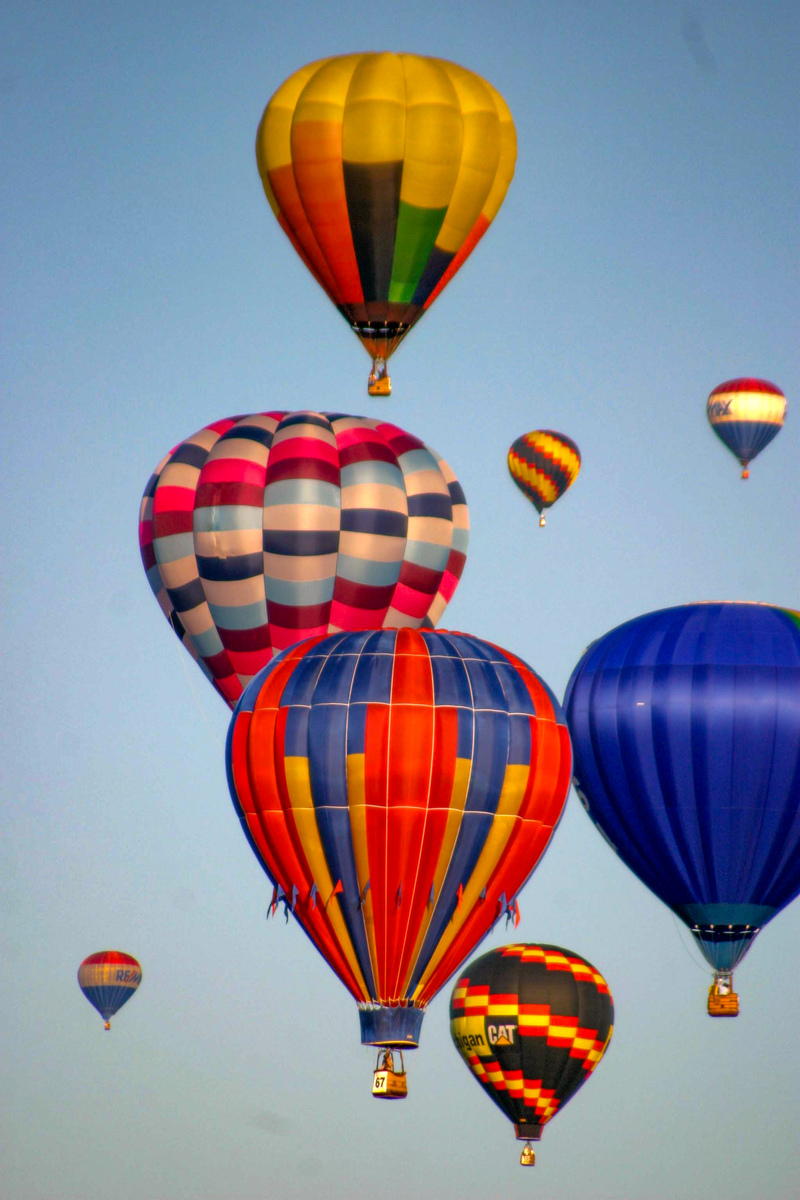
[385, 170]
[543, 464]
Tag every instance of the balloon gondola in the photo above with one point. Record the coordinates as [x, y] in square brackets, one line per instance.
[108, 979]
[685, 727]
[385, 171]
[389, 1077]
[531, 1022]
[398, 787]
[379, 383]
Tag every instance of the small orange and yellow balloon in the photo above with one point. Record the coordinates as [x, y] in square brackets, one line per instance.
[543, 464]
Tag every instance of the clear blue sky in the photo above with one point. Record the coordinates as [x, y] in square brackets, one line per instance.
[647, 250]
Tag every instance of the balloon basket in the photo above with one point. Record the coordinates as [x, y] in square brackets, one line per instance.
[381, 386]
[528, 1132]
[722, 999]
[106, 1024]
[542, 521]
[388, 1083]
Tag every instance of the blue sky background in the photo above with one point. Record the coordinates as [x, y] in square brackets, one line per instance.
[647, 250]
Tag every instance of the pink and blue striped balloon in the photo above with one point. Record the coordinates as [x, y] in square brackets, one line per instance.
[260, 531]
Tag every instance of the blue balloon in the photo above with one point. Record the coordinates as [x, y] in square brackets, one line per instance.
[685, 727]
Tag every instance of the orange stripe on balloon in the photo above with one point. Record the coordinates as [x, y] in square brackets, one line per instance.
[270, 818]
[327, 287]
[550, 781]
[318, 171]
[290, 870]
[421, 877]
[295, 223]
[551, 754]
[376, 763]
[411, 745]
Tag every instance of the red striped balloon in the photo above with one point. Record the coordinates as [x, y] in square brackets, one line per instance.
[259, 531]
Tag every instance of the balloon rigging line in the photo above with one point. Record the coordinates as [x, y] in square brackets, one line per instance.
[182, 656]
[681, 930]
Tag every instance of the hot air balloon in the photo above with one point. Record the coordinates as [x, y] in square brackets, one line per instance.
[108, 979]
[531, 1022]
[262, 530]
[685, 725]
[543, 464]
[385, 171]
[398, 787]
[746, 414]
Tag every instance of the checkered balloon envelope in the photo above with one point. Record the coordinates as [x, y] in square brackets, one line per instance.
[531, 1022]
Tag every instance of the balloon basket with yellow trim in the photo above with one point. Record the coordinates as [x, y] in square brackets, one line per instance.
[379, 385]
[528, 1156]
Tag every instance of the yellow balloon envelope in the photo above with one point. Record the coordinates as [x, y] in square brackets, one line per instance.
[385, 170]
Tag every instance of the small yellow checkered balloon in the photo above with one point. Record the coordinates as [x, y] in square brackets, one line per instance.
[543, 464]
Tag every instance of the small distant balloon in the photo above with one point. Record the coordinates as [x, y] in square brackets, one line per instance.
[746, 414]
[543, 464]
[531, 1022]
[108, 979]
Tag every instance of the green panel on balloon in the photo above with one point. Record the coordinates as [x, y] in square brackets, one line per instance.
[417, 230]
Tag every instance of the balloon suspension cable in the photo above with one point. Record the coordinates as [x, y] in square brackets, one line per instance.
[681, 928]
[196, 698]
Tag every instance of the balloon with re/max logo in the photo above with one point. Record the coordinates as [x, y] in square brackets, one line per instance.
[108, 979]
[398, 787]
[746, 414]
